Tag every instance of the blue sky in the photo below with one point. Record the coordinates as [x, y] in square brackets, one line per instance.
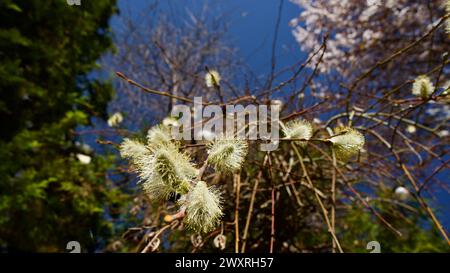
[251, 29]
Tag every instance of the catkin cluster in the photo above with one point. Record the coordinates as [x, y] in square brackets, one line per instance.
[165, 171]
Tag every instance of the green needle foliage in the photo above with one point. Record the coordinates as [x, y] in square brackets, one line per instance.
[48, 50]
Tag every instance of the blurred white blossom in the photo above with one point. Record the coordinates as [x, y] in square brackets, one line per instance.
[115, 119]
[443, 133]
[411, 129]
[401, 193]
[84, 159]
[363, 32]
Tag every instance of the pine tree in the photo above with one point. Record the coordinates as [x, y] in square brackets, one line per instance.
[48, 50]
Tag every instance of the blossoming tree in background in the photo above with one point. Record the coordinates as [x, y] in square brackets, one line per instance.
[386, 68]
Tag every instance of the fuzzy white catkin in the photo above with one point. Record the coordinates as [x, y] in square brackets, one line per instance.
[203, 208]
[168, 171]
[158, 135]
[133, 150]
[162, 169]
[227, 154]
[422, 87]
[347, 142]
[156, 188]
[212, 78]
[300, 129]
[115, 119]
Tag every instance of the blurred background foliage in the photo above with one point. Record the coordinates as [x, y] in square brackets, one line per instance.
[48, 51]
[50, 87]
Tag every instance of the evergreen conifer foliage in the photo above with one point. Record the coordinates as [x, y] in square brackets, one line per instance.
[48, 50]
